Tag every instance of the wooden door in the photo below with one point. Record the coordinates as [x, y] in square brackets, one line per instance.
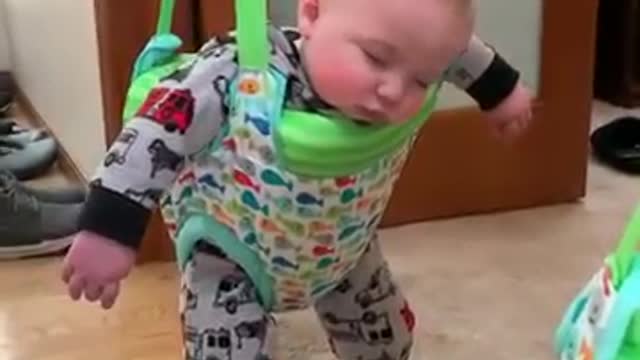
[456, 168]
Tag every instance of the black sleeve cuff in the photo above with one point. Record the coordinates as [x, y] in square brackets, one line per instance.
[495, 84]
[114, 216]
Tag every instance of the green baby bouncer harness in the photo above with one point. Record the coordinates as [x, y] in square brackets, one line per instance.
[301, 193]
[603, 321]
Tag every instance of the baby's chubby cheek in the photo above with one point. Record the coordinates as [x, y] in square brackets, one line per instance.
[408, 108]
[336, 80]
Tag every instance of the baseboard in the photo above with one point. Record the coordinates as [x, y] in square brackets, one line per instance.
[68, 168]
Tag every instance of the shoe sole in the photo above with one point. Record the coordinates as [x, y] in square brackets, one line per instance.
[46, 247]
[5, 109]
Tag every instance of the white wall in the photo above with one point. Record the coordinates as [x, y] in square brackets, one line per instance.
[55, 60]
[513, 27]
[5, 54]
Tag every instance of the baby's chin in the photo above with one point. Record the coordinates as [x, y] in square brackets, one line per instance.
[362, 116]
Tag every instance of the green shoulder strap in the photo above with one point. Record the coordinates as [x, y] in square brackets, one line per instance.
[627, 248]
[165, 19]
[252, 37]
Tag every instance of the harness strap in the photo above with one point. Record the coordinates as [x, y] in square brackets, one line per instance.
[627, 248]
[165, 19]
[252, 37]
[251, 29]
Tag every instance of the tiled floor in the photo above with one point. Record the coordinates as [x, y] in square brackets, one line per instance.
[498, 299]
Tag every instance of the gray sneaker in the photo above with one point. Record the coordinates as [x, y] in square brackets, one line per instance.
[69, 195]
[29, 227]
[9, 126]
[30, 160]
[25, 137]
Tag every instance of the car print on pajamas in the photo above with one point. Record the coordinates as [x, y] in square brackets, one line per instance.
[234, 291]
[252, 330]
[211, 344]
[374, 329]
[379, 289]
[163, 158]
[123, 144]
[217, 344]
[172, 109]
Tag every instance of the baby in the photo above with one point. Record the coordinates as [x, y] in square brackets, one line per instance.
[253, 239]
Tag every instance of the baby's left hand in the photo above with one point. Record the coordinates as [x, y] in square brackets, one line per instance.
[512, 117]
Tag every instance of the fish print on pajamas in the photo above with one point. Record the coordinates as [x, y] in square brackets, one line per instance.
[210, 181]
[272, 178]
[260, 123]
[246, 180]
[308, 199]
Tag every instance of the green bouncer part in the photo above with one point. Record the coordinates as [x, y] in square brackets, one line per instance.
[319, 146]
[144, 83]
[626, 251]
[308, 144]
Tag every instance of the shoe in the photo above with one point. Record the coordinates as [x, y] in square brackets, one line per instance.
[29, 227]
[617, 144]
[27, 161]
[73, 195]
[24, 136]
[8, 126]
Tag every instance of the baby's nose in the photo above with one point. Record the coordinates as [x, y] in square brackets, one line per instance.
[391, 91]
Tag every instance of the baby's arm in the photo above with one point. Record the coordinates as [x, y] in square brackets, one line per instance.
[483, 74]
[495, 86]
[180, 116]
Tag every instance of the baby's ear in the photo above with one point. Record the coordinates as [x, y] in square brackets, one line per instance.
[308, 12]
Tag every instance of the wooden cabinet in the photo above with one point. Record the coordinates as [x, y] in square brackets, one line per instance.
[617, 77]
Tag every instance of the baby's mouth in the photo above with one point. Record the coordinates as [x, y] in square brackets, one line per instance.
[371, 115]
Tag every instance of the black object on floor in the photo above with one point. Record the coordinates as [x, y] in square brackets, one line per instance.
[618, 144]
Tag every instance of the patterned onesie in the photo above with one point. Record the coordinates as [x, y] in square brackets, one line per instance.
[251, 238]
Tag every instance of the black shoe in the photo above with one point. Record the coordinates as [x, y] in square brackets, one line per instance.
[618, 144]
[27, 161]
[29, 227]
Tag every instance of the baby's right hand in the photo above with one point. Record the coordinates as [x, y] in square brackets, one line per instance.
[94, 266]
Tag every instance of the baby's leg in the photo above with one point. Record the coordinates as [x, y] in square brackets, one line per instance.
[220, 313]
[367, 317]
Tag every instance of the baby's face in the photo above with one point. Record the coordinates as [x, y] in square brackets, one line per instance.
[374, 59]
